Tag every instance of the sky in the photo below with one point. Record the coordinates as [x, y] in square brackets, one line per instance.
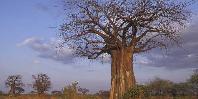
[29, 36]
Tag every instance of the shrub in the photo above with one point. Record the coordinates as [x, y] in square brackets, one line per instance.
[70, 91]
[135, 92]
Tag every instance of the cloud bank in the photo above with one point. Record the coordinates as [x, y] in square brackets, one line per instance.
[48, 49]
[176, 57]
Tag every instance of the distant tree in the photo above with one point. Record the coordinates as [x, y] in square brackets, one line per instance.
[83, 90]
[41, 83]
[181, 89]
[194, 77]
[15, 84]
[123, 28]
[71, 90]
[160, 87]
[193, 81]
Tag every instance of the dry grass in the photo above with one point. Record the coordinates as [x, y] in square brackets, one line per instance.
[51, 97]
[86, 97]
[170, 97]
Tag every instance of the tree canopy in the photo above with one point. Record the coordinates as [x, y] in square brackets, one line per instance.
[41, 83]
[99, 27]
[14, 82]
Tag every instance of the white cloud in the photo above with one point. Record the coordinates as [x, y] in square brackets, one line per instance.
[36, 62]
[48, 49]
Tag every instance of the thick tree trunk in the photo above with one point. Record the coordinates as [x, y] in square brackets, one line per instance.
[12, 90]
[122, 76]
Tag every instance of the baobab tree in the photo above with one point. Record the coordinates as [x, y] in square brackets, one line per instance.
[15, 83]
[123, 28]
[41, 83]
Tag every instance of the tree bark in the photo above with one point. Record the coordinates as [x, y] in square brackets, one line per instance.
[122, 76]
[12, 90]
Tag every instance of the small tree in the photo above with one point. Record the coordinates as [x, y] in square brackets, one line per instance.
[15, 84]
[181, 89]
[194, 77]
[193, 81]
[83, 90]
[41, 83]
[135, 92]
[160, 87]
[71, 91]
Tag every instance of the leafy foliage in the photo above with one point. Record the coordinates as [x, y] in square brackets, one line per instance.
[160, 87]
[134, 92]
[181, 89]
[193, 82]
[194, 78]
[41, 83]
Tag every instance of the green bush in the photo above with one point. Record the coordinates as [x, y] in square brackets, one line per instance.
[135, 92]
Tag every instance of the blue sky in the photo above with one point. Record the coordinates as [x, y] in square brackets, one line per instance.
[29, 30]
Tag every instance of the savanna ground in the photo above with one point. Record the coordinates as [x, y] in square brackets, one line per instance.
[87, 97]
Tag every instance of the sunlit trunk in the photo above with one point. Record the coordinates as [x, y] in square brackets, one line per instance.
[12, 90]
[122, 76]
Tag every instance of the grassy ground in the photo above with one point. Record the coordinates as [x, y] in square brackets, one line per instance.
[52, 97]
[167, 97]
[86, 97]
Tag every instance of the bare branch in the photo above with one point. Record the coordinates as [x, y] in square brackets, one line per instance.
[102, 26]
